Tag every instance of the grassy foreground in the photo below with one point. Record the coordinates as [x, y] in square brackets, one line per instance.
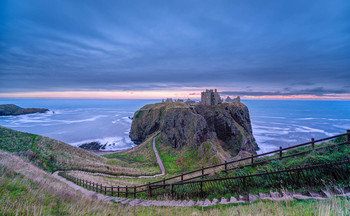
[28, 190]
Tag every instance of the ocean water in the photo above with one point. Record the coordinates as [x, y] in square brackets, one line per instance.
[275, 123]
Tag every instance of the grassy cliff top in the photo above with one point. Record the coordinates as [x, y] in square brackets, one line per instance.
[11, 109]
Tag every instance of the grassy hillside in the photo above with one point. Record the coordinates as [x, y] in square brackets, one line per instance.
[142, 157]
[11, 109]
[188, 158]
[28, 190]
[50, 154]
[307, 180]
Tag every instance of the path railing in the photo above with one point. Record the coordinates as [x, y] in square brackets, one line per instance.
[190, 177]
[293, 178]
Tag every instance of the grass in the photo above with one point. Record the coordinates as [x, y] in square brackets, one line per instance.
[315, 179]
[28, 190]
[177, 161]
[51, 155]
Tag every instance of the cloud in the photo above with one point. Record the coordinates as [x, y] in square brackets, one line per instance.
[318, 91]
[124, 46]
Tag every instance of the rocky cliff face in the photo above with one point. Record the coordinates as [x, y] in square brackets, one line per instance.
[226, 123]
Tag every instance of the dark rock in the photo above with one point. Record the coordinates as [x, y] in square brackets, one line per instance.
[11, 109]
[91, 146]
[181, 125]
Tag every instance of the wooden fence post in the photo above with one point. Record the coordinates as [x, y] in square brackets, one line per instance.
[313, 143]
[348, 136]
[202, 171]
[280, 152]
[105, 189]
[163, 183]
[225, 165]
[134, 191]
[118, 191]
[182, 176]
[112, 190]
[172, 191]
[126, 192]
[150, 189]
[252, 158]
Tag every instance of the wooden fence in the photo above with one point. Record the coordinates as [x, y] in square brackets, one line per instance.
[181, 179]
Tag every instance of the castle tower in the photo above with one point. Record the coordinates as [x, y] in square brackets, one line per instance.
[210, 97]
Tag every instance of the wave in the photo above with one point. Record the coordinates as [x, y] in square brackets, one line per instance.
[82, 120]
[127, 119]
[305, 129]
[110, 143]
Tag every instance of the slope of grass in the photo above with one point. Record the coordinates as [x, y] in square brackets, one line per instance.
[52, 155]
[314, 179]
[28, 190]
[141, 156]
[189, 158]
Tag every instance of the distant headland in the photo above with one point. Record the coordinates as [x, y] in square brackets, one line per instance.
[11, 109]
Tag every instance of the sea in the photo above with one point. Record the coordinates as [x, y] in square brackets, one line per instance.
[275, 122]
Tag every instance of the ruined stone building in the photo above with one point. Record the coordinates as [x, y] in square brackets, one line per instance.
[190, 102]
[169, 100]
[210, 97]
[235, 100]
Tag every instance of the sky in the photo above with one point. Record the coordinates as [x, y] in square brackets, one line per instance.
[157, 49]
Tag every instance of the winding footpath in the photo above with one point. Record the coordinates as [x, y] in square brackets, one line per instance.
[274, 196]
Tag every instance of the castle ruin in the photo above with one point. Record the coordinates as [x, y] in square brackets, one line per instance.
[210, 97]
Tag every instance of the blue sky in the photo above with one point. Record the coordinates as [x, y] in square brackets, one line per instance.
[248, 48]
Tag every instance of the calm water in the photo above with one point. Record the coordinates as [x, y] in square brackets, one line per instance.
[275, 123]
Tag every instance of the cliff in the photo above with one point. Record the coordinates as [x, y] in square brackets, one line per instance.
[11, 109]
[180, 125]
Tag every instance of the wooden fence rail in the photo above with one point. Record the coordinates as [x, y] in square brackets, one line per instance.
[167, 184]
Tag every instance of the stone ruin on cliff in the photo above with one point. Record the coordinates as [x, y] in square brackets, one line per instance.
[235, 100]
[210, 97]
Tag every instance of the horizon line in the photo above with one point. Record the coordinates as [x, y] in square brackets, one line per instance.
[155, 95]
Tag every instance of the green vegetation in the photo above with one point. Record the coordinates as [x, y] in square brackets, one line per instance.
[142, 157]
[177, 161]
[11, 109]
[314, 178]
[51, 155]
[27, 190]
[46, 153]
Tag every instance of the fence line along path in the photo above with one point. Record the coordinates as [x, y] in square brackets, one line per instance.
[273, 196]
[169, 185]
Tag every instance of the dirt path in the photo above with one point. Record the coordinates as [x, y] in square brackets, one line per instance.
[159, 161]
[81, 189]
[273, 196]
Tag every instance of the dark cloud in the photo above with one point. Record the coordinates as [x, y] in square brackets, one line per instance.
[148, 45]
[318, 91]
